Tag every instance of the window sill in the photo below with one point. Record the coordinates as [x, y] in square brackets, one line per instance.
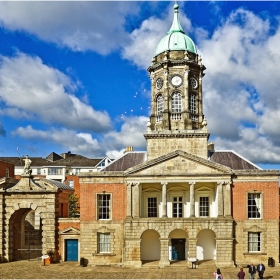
[103, 254]
[254, 253]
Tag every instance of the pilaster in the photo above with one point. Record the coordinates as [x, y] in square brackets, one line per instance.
[164, 261]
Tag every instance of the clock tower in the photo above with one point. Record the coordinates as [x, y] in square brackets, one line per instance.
[177, 121]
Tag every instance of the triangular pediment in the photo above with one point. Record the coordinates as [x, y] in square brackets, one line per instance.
[28, 184]
[178, 163]
[69, 231]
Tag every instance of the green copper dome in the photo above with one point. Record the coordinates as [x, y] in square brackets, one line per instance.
[176, 39]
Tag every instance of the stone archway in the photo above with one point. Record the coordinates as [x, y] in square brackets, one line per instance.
[25, 235]
[206, 245]
[150, 246]
[178, 245]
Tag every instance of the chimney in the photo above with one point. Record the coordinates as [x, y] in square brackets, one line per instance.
[128, 149]
[211, 147]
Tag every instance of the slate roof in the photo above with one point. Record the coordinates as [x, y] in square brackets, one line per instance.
[232, 160]
[36, 161]
[60, 185]
[73, 160]
[128, 160]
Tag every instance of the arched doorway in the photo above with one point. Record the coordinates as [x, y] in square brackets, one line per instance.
[150, 246]
[206, 245]
[178, 245]
[25, 235]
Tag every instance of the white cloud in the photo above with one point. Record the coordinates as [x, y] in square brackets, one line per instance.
[145, 39]
[112, 143]
[241, 86]
[31, 89]
[131, 134]
[81, 26]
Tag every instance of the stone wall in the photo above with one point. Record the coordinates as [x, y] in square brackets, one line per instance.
[168, 143]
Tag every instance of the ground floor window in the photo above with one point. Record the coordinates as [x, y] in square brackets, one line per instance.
[104, 243]
[254, 241]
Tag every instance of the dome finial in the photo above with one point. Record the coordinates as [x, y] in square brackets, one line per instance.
[176, 26]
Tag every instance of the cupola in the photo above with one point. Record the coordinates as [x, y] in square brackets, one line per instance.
[176, 38]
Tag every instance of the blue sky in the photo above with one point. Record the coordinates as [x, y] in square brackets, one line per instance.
[73, 74]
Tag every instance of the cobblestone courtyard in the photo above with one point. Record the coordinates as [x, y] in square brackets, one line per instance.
[68, 270]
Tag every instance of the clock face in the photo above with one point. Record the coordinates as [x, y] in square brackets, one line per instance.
[159, 83]
[193, 82]
[176, 80]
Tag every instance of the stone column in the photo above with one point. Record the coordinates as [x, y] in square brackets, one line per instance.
[192, 199]
[164, 212]
[227, 200]
[164, 252]
[135, 200]
[220, 199]
[192, 250]
[129, 199]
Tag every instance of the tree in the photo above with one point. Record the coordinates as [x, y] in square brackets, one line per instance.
[74, 211]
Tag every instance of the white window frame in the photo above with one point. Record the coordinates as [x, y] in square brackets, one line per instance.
[204, 192]
[175, 193]
[200, 206]
[254, 202]
[99, 206]
[71, 183]
[176, 102]
[104, 242]
[55, 171]
[254, 241]
[149, 194]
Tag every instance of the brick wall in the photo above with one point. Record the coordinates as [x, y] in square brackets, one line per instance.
[76, 183]
[270, 191]
[88, 194]
[10, 166]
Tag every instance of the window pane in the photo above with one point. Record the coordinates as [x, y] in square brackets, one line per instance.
[160, 104]
[176, 102]
[178, 207]
[254, 241]
[254, 205]
[104, 206]
[204, 206]
[193, 103]
[152, 207]
[104, 242]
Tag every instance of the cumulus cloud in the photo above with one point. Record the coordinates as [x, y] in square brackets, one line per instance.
[143, 41]
[81, 26]
[112, 143]
[241, 86]
[31, 89]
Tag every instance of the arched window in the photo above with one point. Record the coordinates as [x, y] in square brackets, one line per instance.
[176, 102]
[159, 104]
[193, 103]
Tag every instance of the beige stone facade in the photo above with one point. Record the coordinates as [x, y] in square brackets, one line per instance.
[28, 218]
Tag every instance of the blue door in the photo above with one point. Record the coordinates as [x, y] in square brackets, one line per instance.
[71, 253]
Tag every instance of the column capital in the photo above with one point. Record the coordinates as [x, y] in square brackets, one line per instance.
[192, 182]
[164, 183]
[220, 183]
